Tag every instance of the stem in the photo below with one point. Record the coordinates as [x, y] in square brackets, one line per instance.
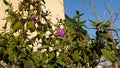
[116, 64]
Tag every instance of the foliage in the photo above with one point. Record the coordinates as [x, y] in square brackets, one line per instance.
[71, 45]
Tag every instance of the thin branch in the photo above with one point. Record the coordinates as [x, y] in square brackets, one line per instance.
[93, 9]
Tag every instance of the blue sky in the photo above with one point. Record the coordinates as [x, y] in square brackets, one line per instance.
[84, 7]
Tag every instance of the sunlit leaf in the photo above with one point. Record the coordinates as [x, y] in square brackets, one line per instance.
[85, 56]
[17, 26]
[59, 61]
[12, 56]
[52, 55]
[107, 55]
[35, 59]
[31, 26]
[20, 7]
[107, 47]
[106, 24]
[75, 56]
[93, 23]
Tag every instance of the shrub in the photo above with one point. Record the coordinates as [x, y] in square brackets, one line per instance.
[65, 47]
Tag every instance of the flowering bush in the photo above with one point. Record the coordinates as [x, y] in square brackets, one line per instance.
[69, 47]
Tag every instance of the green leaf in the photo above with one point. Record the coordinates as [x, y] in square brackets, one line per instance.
[12, 56]
[23, 21]
[107, 55]
[93, 23]
[106, 24]
[99, 24]
[5, 26]
[35, 59]
[79, 65]
[6, 3]
[50, 66]
[75, 56]
[52, 55]
[64, 56]
[81, 23]
[43, 1]
[31, 11]
[44, 58]
[85, 56]
[70, 38]
[59, 61]
[22, 55]
[60, 38]
[17, 26]
[108, 47]
[77, 12]
[105, 35]
[20, 7]
[71, 22]
[31, 26]
[26, 63]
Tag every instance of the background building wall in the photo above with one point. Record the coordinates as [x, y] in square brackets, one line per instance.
[54, 6]
[57, 9]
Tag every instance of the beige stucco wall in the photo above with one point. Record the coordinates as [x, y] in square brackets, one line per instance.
[54, 6]
[57, 9]
[2, 14]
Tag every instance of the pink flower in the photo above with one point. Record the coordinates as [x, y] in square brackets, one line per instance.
[60, 31]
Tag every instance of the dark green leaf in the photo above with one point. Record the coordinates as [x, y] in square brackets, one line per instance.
[26, 63]
[81, 23]
[43, 1]
[6, 3]
[77, 12]
[5, 26]
[98, 24]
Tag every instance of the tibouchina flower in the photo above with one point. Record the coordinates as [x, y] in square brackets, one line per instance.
[33, 19]
[60, 31]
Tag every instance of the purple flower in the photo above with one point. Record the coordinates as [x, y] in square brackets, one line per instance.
[33, 19]
[60, 31]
